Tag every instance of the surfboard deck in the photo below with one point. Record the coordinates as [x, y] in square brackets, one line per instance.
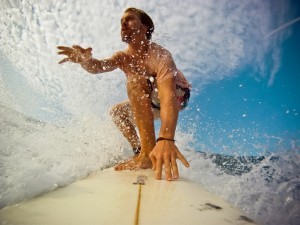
[125, 197]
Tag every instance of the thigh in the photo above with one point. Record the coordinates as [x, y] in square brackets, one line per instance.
[123, 109]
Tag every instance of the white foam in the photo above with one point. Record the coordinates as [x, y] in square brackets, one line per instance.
[38, 157]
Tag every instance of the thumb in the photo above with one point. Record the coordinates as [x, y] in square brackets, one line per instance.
[183, 159]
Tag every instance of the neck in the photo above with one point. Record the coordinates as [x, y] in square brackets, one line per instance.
[138, 48]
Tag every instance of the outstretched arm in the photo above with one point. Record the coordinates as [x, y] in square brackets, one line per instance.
[77, 54]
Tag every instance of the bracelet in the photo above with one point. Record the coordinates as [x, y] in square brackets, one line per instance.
[164, 139]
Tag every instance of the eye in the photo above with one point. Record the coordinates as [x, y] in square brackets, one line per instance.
[127, 19]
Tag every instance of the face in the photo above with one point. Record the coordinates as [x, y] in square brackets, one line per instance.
[131, 27]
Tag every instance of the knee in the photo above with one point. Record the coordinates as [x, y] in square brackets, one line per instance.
[115, 111]
[119, 113]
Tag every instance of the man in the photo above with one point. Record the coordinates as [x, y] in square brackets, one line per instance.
[155, 88]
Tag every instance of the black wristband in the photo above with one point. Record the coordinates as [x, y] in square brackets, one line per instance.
[164, 139]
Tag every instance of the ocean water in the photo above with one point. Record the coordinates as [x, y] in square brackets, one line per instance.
[54, 119]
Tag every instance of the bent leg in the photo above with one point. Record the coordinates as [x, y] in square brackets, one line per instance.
[122, 117]
[140, 102]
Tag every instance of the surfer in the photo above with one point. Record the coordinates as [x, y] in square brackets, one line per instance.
[155, 88]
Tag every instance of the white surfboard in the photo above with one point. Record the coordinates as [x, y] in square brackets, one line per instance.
[126, 197]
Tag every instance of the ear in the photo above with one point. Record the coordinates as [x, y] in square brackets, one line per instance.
[144, 28]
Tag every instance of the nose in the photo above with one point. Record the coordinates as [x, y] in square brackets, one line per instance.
[124, 24]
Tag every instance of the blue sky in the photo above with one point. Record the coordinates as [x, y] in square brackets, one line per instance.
[246, 110]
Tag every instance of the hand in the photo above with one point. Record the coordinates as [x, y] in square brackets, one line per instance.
[165, 153]
[75, 54]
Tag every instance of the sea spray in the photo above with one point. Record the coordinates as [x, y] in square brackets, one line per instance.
[38, 157]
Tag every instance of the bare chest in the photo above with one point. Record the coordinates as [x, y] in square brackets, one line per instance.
[144, 66]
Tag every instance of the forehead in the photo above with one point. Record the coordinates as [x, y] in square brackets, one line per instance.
[130, 14]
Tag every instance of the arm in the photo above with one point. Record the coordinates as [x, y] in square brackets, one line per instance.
[165, 151]
[77, 54]
[100, 66]
[168, 108]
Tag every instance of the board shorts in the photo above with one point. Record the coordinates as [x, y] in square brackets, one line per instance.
[182, 96]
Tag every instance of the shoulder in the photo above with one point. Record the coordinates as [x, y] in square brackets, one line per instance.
[163, 57]
[119, 58]
[160, 51]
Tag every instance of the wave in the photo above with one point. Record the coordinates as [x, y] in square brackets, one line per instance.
[265, 187]
[38, 157]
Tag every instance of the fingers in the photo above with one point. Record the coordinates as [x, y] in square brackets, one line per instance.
[164, 158]
[64, 60]
[68, 53]
[158, 170]
[82, 50]
[174, 167]
[77, 47]
[75, 53]
[182, 159]
[65, 51]
[167, 164]
[153, 161]
[64, 48]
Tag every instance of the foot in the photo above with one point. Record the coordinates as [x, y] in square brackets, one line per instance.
[139, 162]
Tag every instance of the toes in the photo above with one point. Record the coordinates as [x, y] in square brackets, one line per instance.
[119, 166]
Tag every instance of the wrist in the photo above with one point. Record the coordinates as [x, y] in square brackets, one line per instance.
[164, 139]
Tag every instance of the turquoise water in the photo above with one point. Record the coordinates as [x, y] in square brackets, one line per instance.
[240, 132]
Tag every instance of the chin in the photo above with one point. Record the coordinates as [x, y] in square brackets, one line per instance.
[126, 39]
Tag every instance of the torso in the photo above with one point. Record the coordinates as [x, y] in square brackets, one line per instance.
[149, 65]
[143, 66]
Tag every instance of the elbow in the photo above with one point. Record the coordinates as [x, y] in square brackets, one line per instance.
[93, 71]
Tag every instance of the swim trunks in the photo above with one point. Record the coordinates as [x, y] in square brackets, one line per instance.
[182, 94]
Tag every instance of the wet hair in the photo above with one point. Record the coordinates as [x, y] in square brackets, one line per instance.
[145, 19]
